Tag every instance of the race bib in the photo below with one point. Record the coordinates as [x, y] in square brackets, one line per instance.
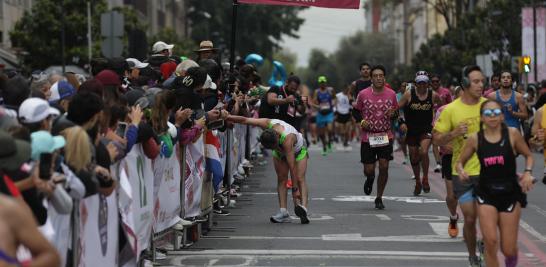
[378, 139]
[324, 106]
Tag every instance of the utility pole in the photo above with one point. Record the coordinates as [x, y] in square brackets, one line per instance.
[89, 35]
[535, 69]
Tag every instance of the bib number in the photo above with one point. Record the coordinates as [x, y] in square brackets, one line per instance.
[378, 139]
[324, 106]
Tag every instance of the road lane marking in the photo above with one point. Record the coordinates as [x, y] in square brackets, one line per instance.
[421, 200]
[286, 252]
[349, 238]
[425, 217]
[532, 231]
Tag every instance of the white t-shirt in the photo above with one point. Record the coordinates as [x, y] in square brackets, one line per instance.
[343, 106]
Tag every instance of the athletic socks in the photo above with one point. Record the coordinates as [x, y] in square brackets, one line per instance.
[511, 261]
[284, 211]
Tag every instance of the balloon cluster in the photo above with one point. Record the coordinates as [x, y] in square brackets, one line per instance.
[278, 76]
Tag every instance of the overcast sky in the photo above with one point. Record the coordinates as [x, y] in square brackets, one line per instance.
[324, 28]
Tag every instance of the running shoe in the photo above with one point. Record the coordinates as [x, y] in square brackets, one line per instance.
[481, 250]
[413, 177]
[221, 212]
[379, 204]
[324, 153]
[417, 189]
[301, 212]
[453, 228]
[289, 183]
[438, 168]
[474, 261]
[426, 186]
[329, 149]
[368, 186]
[280, 218]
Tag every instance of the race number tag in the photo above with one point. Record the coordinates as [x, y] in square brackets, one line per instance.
[324, 106]
[378, 139]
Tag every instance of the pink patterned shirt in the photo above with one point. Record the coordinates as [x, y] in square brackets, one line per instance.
[373, 107]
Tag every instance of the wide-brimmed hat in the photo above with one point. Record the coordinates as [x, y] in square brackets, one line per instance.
[13, 153]
[206, 46]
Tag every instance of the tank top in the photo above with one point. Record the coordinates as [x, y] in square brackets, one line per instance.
[497, 166]
[324, 100]
[288, 129]
[419, 113]
[509, 119]
[361, 85]
[343, 105]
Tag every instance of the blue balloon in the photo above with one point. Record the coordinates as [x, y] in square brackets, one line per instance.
[278, 70]
[254, 59]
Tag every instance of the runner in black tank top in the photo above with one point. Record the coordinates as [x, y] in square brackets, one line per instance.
[418, 104]
[500, 194]
[498, 185]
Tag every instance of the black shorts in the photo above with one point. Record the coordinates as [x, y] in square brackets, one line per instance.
[446, 167]
[369, 155]
[343, 118]
[506, 204]
[414, 139]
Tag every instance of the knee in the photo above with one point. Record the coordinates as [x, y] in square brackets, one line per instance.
[509, 250]
[470, 221]
[423, 154]
[368, 172]
[491, 242]
[383, 167]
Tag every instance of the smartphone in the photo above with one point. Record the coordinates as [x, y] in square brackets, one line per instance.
[45, 166]
[215, 125]
[121, 129]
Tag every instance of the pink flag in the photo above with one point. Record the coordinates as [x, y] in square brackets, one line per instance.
[349, 4]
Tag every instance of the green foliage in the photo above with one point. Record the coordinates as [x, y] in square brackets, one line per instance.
[495, 28]
[341, 67]
[260, 28]
[38, 33]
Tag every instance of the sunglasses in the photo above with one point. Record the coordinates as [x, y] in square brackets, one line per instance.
[492, 112]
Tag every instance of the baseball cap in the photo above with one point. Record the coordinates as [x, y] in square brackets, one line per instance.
[160, 46]
[44, 142]
[13, 153]
[421, 77]
[135, 63]
[61, 90]
[322, 79]
[209, 84]
[35, 110]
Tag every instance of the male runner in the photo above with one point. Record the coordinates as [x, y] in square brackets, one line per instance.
[289, 155]
[377, 105]
[418, 107]
[445, 96]
[458, 119]
[515, 108]
[343, 116]
[323, 100]
[364, 81]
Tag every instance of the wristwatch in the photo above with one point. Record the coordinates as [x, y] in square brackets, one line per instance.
[528, 170]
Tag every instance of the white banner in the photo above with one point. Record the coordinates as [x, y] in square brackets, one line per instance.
[166, 191]
[98, 231]
[195, 170]
[136, 197]
[527, 41]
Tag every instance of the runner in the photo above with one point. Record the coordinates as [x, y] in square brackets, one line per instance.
[289, 155]
[538, 132]
[500, 196]
[377, 105]
[362, 83]
[418, 107]
[445, 97]
[343, 116]
[446, 152]
[324, 101]
[458, 119]
[514, 107]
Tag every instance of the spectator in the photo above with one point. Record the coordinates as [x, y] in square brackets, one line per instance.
[206, 50]
[135, 66]
[61, 93]
[14, 93]
[36, 114]
[160, 59]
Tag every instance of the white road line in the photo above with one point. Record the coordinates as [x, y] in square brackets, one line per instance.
[285, 252]
[400, 199]
[532, 231]
[537, 209]
[351, 238]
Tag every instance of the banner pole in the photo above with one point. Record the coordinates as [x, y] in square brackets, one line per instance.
[233, 35]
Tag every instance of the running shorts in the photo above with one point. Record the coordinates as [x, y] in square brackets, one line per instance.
[369, 155]
[300, 155]
[446, 167]
[324, 120]
[343, 118]
[464, 191]
[414, 139]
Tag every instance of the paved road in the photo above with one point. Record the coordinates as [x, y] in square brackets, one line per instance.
[345, 229]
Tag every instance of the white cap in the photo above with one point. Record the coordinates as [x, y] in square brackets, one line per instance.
[160, 46]
[135, 63]
[209, 84]
[35, 110]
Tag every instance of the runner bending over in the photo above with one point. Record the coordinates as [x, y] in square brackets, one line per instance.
[500, 194]
[289, 155]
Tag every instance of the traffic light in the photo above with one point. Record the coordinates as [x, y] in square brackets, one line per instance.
[526, 64]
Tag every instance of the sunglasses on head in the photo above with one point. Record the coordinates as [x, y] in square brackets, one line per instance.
[492, 112]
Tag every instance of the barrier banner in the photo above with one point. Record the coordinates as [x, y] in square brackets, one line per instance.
[213, 162]
[138, 202]
[349, 4]
[193, 178]
[167, 179]
[98, 231]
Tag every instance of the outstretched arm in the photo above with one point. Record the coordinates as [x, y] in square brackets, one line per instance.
[263, 123]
